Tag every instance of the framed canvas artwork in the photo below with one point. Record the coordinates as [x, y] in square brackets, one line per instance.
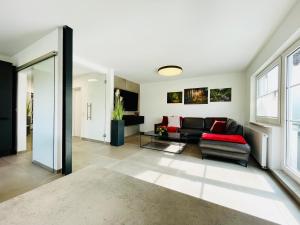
[174, 97]
[220, 95]
[196, 96]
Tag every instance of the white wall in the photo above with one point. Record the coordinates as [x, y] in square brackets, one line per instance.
[131, 130]
[21, 112]
[154, 99]
[286, 34]
[77, 113]
[50, 42]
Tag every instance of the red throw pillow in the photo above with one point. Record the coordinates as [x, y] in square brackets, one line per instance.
[172, 129]
[218, 127]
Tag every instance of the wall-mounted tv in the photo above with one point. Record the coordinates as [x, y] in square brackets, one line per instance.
[130, 100]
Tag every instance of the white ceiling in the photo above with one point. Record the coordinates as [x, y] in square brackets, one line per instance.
[135, 37]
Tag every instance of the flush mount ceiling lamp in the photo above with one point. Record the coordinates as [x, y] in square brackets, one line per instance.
[170, 70]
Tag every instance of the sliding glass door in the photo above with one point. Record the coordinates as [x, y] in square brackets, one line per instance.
[36, 111]
[292, 156]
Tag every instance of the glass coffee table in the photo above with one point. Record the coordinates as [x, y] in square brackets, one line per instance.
[173, 142]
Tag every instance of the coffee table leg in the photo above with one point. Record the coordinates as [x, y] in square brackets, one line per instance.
[140, 140]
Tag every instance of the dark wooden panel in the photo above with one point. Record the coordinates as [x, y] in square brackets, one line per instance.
[7, 109]
[67, 99]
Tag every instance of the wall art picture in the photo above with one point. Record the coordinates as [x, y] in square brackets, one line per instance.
[174, 97]
[196, 96]
[220, 95]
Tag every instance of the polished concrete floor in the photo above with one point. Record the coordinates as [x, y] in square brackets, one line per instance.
[95, 195]
[249, 190]
[18, 175]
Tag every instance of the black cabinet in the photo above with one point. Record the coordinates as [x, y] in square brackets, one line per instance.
[133, 120]
[7, 109]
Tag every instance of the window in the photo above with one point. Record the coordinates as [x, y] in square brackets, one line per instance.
[267, 94]
[292, 155]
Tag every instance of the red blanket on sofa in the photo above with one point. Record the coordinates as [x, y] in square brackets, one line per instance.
[235, 138]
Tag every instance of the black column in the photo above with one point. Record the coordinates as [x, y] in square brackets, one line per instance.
[67, 99]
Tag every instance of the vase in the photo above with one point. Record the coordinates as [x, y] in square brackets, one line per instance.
[165, 134]
[117, 132]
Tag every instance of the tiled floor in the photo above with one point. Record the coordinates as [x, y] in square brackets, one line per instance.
[250, 190]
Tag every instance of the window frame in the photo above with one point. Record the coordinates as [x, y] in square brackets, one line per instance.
[285, 86]
[268, 119]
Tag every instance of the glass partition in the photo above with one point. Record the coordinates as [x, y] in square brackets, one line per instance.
[43, 113]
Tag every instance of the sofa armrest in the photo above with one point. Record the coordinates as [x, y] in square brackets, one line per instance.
[240, 130]
[156, 126]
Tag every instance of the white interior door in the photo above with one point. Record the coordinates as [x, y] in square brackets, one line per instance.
[95, 103]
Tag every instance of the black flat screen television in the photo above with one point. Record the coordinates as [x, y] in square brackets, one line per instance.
[130, 100]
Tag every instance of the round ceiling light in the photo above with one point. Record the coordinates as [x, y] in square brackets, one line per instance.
[170, 71]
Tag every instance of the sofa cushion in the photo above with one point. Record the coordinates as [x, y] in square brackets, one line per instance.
[174, 121]
[234, 138]
[239, 130]
[191, 132]
[181, 119]
[218, 127]
[164, 121]
[222, 146]
[209, 121]
[192, 123]
[231, 127]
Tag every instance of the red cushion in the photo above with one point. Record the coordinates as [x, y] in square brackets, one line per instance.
[172, 129]
[165, 120]
[235, 138]
[218, 127]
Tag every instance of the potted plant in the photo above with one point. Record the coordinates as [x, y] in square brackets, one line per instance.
[162, 131]
[117, 123]
[28, 116]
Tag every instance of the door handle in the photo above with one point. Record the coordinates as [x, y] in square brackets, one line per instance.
[89, 111]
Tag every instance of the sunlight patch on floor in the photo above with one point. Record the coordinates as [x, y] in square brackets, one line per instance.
[249, 190]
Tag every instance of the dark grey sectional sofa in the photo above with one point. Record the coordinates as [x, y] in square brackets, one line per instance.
[235, 151]
[192, 129]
